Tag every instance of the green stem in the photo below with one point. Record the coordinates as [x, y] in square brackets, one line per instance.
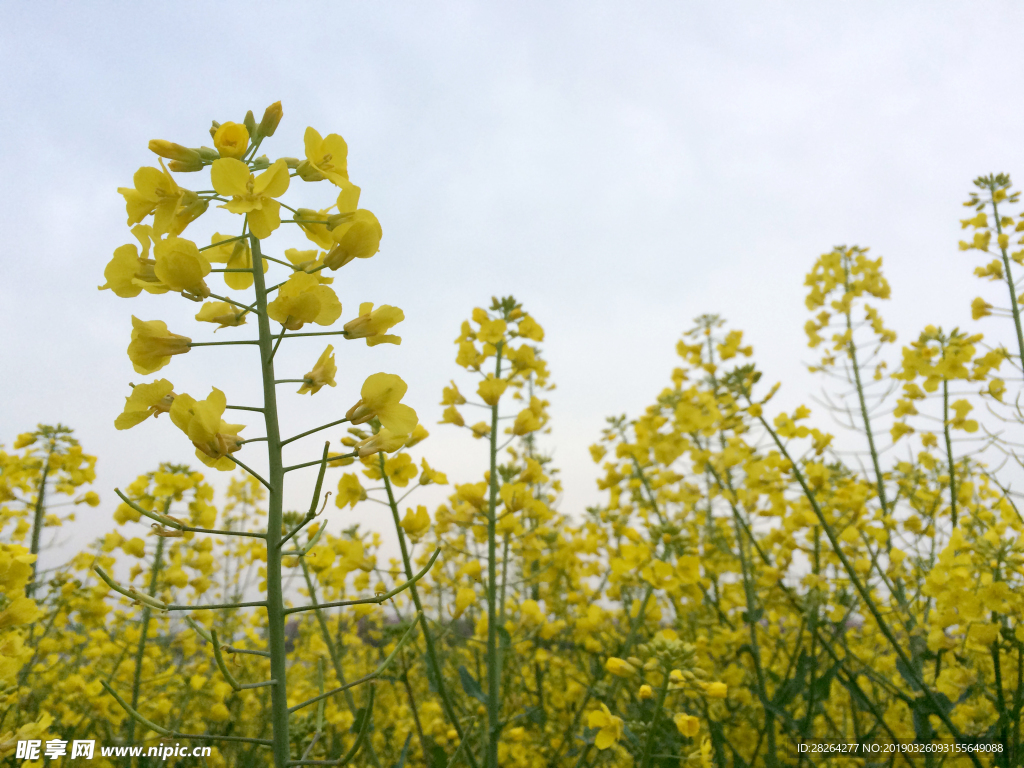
[275, 587]
[428, 639]
[222, 343]
[332, 650]
[652, 728]
[493, 653]
[863, 591]
[1014, 306]
[949, 451]
[140, 654]
[37, 523]
[225, 242]
[311, 431]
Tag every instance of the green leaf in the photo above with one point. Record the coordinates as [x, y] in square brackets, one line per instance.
[471, 686]
[436, 756]
[504, 639]
[432, 681]
[754, 616]
[537, 716]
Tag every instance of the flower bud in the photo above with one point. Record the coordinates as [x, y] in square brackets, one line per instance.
[192, 208]
[250, 123]
[717, 690]
[207, 154]
[382, 441]
[291, 162]
[260, 163]
[308, 172]
[271, 119]
[231, 140]
[213, 129]
[182, 166]
[357, 239]
[619, 667]
[173, 151]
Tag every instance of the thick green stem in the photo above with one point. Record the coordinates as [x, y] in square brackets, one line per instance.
[949, 451]
[1014, 306]
[653, 727]
[275, 588]
[493, 658]
[37, 522]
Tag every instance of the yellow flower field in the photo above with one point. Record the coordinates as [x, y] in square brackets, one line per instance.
[750, 591]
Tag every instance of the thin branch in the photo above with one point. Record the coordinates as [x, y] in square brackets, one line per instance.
[368, 600]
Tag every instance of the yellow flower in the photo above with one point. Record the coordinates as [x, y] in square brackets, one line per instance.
[323, 373]
[326, 158]
[309, 261]
[89, 497]
[315, 225]
[252, 195]
[416, 523]
[233, 255]
[418, 435]
[706, 757]
[350, 491]
[610, 727]
[385, 441]
[203, 422]
[271, 119]
[381, 394]
[451, 415]
[304, 300]
[526, 422]
[452, 396]
[231, 140]
[372, 323]
[645, 693]
[530, 329]
[716, 690]
[155, 193]
[687, 724]
[130, 273]
[531, 614]
[491, 331]
[152, 345]
[980, 308]
[180, 266]
[464, 598]
[996, 388]
[357, 238]
[135, 547]
[21, 610]
[431, 475]
[15, 567]
[176, 152]
[619, 667]
[491, 389]
[146, 400]
[220, 312]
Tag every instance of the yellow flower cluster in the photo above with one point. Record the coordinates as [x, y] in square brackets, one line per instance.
[744, 587]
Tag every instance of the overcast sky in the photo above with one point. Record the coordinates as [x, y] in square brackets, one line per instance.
[619, 167]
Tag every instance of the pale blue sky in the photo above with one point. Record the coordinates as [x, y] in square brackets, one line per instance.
[619, 167]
